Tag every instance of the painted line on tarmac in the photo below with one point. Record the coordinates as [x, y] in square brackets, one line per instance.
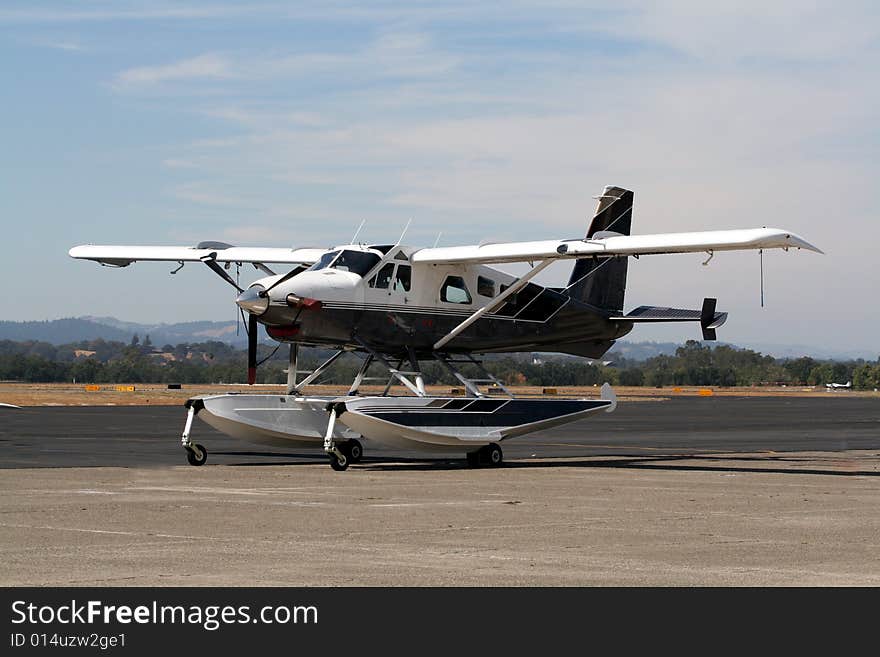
[621, 446]
[73, 529]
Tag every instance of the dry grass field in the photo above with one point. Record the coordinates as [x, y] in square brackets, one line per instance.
[66, 394]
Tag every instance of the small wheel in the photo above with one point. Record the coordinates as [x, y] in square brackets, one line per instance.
[196, 455]
[494, 455]
[338, 464]
[354, 450]
[473, 459]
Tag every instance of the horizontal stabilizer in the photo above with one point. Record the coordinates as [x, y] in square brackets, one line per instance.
[708, 318]
[658, 314]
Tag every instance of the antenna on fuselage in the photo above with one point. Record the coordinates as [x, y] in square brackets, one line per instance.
[405, 228]
[357, 232]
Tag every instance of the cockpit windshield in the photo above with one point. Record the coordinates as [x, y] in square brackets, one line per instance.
[357, 262]
[325, 261]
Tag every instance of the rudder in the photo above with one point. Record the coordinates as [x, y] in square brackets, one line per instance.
[601, 282]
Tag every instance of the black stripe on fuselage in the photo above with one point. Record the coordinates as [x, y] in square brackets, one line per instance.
[388, 330]
[428, 310]
[510, 412]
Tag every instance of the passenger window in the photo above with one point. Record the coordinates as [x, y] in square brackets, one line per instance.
[454, 290]
[403, 279]
[382, 279]
[485, 286]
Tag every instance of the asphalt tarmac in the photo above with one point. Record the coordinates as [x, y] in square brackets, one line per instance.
[692, 491]
[41, 437]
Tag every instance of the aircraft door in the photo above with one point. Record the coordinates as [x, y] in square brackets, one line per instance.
[401, 284]
[391, 285]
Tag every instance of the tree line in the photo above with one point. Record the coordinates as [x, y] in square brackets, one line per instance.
[693, 364]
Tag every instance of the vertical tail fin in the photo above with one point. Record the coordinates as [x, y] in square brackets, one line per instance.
[601, 282]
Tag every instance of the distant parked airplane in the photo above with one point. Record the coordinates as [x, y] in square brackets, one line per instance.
[839, 386]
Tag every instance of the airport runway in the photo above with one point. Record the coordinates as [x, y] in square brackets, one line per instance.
[150, 435]
[692, 491]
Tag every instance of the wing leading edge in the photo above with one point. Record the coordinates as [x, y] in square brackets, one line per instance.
[614, 245]
[122, 256]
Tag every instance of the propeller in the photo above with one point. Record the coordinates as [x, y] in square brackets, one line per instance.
[293, 272]
[256, 300]
[252, 350]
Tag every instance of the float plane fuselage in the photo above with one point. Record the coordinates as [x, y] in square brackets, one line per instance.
[391, 302]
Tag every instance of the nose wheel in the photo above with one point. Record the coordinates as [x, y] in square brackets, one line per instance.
[352, 449]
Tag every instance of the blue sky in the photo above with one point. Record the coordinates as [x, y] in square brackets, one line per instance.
[289, 123]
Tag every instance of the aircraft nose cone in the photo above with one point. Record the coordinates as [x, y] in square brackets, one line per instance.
[254, 300]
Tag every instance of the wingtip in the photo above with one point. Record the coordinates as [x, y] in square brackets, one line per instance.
[801, 243]
[791, 240]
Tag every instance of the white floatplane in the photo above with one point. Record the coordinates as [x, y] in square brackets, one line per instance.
[396, 305]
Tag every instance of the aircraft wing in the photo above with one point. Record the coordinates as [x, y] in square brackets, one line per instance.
[122, 256]
[612, 244]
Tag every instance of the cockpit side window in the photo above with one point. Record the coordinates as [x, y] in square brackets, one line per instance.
[383, 278]
[357, 262]
[403, 278]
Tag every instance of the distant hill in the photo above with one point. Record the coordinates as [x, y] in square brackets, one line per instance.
[75, 329]
[834, 351]
[640, 350]
[160, 334]
[88, 327]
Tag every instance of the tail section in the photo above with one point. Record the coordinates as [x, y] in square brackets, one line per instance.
[601, 282]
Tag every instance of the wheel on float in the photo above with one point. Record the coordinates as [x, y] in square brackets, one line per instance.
[493, 454]
[353, 450]
[196, 455]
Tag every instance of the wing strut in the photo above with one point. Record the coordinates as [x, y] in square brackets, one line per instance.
[492, 305]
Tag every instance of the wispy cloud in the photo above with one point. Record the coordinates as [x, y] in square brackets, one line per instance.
[106, 13]
[204, 194]
[60, 44]
[734, 31]
[209, 66]
[175, 163]
[391, 56]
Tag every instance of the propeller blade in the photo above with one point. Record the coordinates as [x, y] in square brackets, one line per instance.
[293, 272]
[252, 349]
